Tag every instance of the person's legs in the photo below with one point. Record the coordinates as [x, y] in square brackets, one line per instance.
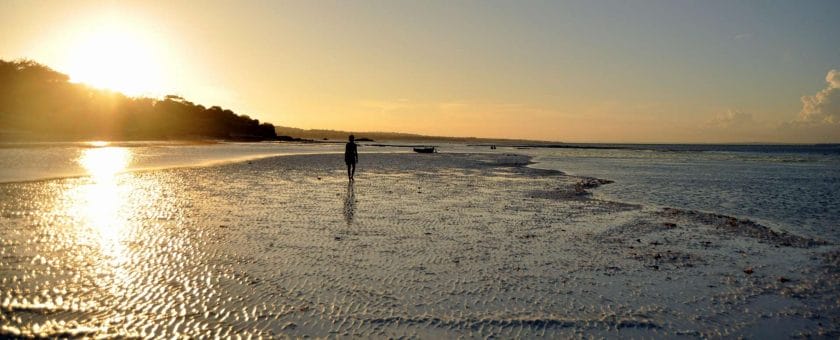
[349, 174]
[353, 171]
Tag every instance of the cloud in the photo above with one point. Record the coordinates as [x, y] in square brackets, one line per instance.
[731, 119]
[833, 78]
[823, 107]
[737, 126]
[819, 119]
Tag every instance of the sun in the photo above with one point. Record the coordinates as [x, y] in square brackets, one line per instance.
[116, 58]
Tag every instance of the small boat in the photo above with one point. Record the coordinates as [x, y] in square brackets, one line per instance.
[430, 149]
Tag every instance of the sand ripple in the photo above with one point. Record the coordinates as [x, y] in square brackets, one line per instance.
[420, 246]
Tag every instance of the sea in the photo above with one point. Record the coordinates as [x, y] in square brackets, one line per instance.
[792, 188]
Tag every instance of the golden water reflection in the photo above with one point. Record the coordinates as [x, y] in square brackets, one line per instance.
[121, 221]
[102, 205]
[98, 143]
[110, 254]
[105, 162]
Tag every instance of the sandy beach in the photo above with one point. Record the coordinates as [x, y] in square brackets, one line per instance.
[428, 246]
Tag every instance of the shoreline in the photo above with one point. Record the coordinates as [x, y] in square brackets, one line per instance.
[588, 183]
[784, 194]
[472, 245]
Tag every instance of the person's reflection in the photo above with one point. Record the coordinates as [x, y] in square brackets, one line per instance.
[349, 204]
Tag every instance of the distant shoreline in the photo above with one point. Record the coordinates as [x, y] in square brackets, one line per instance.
[829, 148]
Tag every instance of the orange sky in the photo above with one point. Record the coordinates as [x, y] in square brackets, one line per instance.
[576, 71]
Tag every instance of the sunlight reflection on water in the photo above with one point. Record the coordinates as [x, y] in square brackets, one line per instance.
[103, 163]
[102, 204]
[111, 225]
[261, 250]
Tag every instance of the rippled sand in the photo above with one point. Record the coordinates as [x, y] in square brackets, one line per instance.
[438, 245]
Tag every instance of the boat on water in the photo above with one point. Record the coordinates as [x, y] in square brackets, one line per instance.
[430, 149]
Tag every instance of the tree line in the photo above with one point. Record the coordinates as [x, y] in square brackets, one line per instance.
[37, 102]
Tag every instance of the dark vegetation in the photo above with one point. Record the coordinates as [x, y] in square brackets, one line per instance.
[39, 103]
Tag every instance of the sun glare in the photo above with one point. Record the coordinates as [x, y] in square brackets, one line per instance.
[104, 208]
[116, 58]
[98, 143]
[103, 163]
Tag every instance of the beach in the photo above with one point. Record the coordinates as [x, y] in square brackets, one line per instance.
[429, 246]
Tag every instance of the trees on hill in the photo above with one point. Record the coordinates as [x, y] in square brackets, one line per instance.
[37, 102]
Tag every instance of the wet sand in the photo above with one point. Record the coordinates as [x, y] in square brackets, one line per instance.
[441, 245]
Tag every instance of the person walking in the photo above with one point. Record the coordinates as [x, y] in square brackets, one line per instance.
[351, 157]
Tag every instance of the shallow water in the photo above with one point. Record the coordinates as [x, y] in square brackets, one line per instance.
[437, 245]
[420, 245]
[34, 161]
[789, 188]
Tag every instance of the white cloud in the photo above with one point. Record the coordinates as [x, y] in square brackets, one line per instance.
[833, 78]
[819, 119]
[823, 107]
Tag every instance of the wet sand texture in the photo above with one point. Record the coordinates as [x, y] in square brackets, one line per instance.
[429, 246]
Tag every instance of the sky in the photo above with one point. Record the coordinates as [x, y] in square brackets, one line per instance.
[571, 71]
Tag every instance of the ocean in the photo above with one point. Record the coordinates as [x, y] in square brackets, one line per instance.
[160, 239]
[794, 188]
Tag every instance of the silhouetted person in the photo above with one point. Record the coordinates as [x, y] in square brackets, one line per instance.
[351, 157]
